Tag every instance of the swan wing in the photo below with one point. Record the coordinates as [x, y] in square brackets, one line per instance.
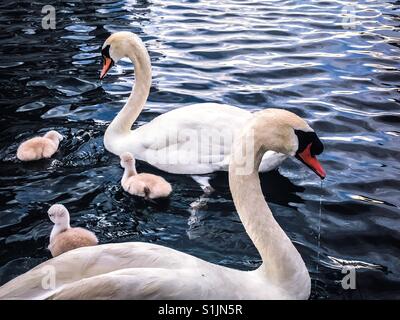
[206, 282]
[195, 139]
[86, 262]
[141, 283]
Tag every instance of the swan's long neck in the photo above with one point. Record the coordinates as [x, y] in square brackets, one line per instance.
[122, 123]
[58, 228]
[282, 264]
[128, 172]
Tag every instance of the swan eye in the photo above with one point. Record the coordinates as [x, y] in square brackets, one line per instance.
[105, 52]
[307, 138]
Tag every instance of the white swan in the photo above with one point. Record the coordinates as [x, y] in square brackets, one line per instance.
[63, 238]
[144, 185]
[195, 139]
[149, 271]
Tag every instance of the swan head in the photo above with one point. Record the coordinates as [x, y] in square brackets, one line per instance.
[58, 214]
[117, 46]
[53, 135]
[127, 160]
[289, 134]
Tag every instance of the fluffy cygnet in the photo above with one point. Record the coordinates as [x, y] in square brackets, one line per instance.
[144, 185]
[39, 147]
[64, 238]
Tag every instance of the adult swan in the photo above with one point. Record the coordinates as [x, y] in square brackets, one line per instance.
[194, 139]
[148, 271]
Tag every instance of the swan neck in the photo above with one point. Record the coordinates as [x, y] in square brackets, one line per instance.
[129, 172]
[123, 122]
[281, 260]
[59, 228]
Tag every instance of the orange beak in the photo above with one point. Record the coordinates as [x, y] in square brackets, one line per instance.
[107, 64]
[311, 161]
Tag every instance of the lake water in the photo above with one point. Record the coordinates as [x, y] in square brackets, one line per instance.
[335, 63]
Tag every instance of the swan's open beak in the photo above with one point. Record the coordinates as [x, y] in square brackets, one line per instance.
[311, 161]
[107, 64]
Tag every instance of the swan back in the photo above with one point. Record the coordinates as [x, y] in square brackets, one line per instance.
[70, 239]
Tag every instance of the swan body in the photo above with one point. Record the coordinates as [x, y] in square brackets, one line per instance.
[143, 184]
[138, 270]
[196, 139]
[148, 271]
[39, 147]
[63, 238]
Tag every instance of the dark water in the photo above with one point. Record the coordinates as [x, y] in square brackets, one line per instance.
[344, 79]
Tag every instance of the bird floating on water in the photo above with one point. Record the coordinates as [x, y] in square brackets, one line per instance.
[144, 185]
[63, 238]
[39, 147]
